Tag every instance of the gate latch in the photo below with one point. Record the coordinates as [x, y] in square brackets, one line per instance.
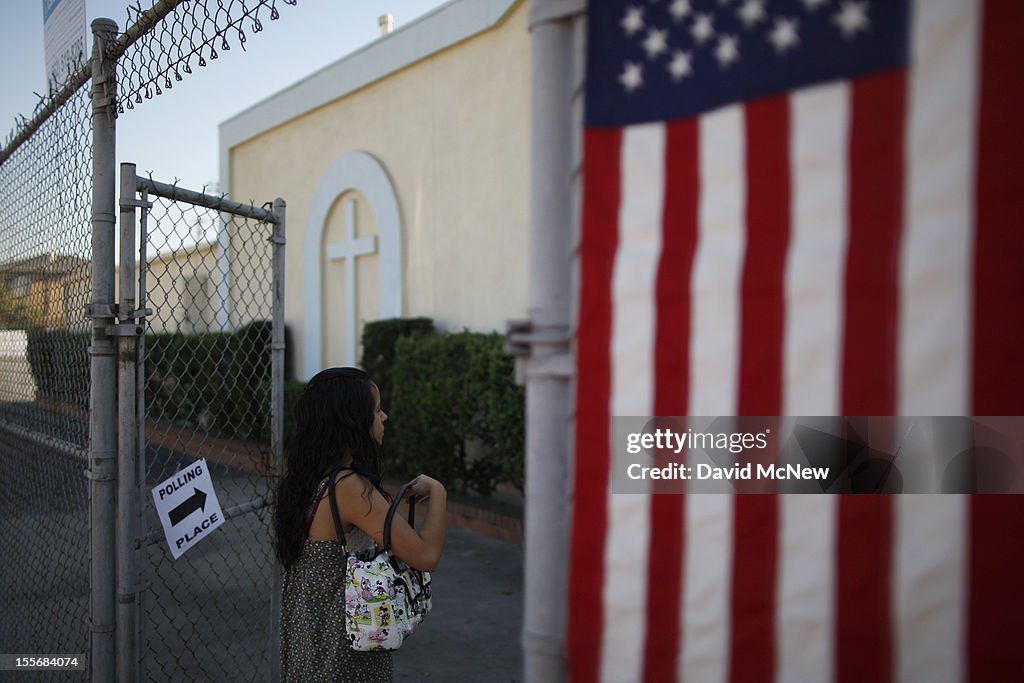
[124, 330]
[127, 202]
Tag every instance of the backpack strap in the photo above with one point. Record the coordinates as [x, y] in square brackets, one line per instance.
[334, 510]
[391, 514]
[387, 520]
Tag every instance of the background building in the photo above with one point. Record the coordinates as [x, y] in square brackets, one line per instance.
[405, 170]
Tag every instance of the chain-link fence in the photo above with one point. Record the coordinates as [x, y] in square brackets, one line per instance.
[45, 272]
[200, 617]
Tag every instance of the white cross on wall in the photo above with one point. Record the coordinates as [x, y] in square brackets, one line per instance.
[348, 251]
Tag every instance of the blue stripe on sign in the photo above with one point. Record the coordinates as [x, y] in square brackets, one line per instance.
[48, 7]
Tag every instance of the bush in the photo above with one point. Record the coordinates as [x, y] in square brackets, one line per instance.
[214, 380]
[456, 411]
[379, 339]
[60, 364]
[253, 358]
[189, 379]
[292, 391]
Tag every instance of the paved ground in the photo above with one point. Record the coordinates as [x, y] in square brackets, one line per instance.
[206, 615]
[472, 634]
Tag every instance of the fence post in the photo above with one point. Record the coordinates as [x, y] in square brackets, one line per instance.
[277, 346]
[140, 428]
[127, 441]
[103, 368]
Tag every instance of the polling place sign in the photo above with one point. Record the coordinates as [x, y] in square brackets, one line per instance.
[188, 507]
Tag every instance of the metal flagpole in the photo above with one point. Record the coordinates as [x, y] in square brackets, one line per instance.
[543, 340]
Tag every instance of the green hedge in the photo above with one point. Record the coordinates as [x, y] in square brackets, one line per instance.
[292, 391]
[215, 380]
[456, 412]
[60, 364]
[189, 379]
[379, 339]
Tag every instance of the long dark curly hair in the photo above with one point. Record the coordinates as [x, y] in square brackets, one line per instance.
[334, 418]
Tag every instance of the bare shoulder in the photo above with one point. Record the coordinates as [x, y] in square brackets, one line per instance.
[356, 496]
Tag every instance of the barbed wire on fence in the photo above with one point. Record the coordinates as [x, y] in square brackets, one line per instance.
[160, 45]
[171, 40]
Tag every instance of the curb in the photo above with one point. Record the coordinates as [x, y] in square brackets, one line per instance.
[489, 522]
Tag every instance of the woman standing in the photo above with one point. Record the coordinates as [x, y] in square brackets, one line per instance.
[340, 426]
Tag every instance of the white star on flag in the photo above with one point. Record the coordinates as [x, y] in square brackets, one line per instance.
[812, 5]
[752, 12]
[727, 51]
[784, 36]
[851, 18]
[680, 66]
[680, 9]
[702, 29]
[656, 42]
[633, 21]
[632, 76]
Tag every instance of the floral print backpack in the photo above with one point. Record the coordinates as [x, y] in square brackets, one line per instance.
[385, 598]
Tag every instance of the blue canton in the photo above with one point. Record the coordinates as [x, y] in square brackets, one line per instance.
[659, 60]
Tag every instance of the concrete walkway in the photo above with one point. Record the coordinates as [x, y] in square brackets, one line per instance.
[472, 633]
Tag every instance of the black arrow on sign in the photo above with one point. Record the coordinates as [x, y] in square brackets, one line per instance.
[197, 501]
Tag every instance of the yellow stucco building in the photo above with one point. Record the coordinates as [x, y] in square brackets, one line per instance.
[405, 169]
[181, 286]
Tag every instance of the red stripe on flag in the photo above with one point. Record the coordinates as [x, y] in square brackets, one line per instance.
[863, 634]
[996, 593]
[998, 372]
[754, 573]
[877, 169]
[762, 317]
[995, 630]
[671, 376]
[593, 395]
[762, 321]
[679, 243]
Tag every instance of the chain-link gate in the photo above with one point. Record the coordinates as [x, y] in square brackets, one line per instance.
[208, 385]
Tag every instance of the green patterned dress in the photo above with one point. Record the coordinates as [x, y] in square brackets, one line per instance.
[313, 643]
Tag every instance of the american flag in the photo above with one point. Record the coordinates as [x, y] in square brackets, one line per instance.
[802, 207]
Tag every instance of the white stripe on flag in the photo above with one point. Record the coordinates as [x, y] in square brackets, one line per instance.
[633, 331]
[806, 588]
[714, 354]
[625, 587]
[707, 587]
[934, 326]
[815, 265]
[929, 587]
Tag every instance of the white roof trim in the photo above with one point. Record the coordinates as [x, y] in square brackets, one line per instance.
[445, 26]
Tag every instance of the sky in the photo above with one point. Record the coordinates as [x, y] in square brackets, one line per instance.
[174, 136]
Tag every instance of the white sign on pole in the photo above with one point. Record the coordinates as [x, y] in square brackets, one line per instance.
[188, 507]
[64, 38]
